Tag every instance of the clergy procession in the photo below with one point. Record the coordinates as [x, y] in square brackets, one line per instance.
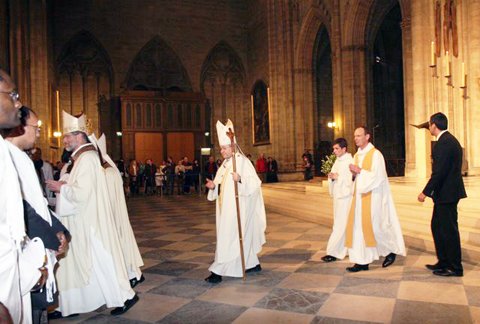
[82, 255]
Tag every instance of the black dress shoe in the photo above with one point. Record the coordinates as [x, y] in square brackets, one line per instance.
[135, 281]
[213, 278]
[329, 258]
[434, 267]
[128, 304]
[389, 259]
[56, 315]
[256, 268]
[448, 273]
[358, 267]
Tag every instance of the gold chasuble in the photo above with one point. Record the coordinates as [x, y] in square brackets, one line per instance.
[367, 227]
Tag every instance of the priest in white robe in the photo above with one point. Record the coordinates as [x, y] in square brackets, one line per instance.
[131, 253]
[39, 221]
[252, 212]
[373, 229]
[340, 186]
[93, 273]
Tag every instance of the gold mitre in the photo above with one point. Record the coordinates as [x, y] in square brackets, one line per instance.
[222, 131]
[74, 124]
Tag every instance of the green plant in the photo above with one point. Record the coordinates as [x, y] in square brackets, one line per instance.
[327, 163]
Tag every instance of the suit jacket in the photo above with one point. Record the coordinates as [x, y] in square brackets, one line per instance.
[446, 183]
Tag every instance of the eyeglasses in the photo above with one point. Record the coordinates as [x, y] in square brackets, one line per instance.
[37, 128]
[13, 94]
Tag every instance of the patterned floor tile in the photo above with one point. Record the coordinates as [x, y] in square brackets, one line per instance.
[421, 312]
[311, 282]
[241, 295]
[434, 293]
[182, 287]
[202, 312]
[358, 308]
[292, 300]
[473, 295]
[368, 287]
[171, 268]
[260, 315]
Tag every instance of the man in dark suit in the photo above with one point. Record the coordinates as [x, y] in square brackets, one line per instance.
[446, 188]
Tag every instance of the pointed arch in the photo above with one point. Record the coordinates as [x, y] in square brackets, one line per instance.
[157, 67]
[318, 19]
[85, 80]
[224, 63]
[84, 52]
[222, 81]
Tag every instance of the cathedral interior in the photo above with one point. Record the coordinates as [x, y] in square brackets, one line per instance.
[292, 75]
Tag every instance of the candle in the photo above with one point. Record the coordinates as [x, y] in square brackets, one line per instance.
[432, 53]
[448, 65]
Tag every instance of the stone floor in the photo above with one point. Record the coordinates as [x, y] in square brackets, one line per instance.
[176, 236]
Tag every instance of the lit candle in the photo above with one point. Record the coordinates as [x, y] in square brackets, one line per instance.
[432, 52]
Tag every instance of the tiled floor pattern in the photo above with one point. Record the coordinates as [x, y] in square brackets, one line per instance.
[176, 236]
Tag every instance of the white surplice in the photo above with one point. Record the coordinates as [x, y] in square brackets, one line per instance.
[33, 194]
[386, 227]
[93, 272]
[341, 190]
[252, 214]
[17, 274]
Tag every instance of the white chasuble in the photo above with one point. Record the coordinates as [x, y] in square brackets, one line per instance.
[93, 272]
[252, 214]
[386, 227]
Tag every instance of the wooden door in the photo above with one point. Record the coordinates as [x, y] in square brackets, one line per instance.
[149, 146]
[180, 145]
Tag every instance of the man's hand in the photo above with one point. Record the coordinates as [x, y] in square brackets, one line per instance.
[43, 278]
[333, 176]
[54, 186]
[354, 169]
[63, 243]
[236, 177]
[421, 197]
[210, 185]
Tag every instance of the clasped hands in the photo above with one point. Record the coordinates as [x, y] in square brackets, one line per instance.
[54, 186]
[354, 169]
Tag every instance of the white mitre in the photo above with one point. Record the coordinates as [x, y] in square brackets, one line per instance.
[93, 139]
[222, 130]
[73, 124]
[101, 144]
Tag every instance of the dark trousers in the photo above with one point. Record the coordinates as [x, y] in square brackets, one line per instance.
[446, 236]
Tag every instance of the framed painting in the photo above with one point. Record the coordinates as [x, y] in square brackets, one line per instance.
[260, 113]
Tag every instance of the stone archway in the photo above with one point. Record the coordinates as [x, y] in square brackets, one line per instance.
[385, 87]
[317, 22]
[363, 20]
[222, 81]
[84, 76]
[323, 97]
